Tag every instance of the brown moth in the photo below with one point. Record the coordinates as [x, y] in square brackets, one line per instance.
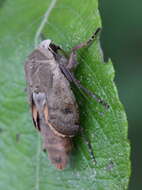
[53, 105]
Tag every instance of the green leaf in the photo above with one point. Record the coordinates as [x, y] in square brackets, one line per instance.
[23, 165]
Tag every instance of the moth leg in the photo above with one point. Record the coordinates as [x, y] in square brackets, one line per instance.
[57, 49]
[72, 58]
[69, 75]
[90, 149]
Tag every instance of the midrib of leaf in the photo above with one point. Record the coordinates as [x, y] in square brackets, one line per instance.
[37, 172]
[44, 21]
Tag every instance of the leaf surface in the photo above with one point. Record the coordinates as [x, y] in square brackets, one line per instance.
[22, 161]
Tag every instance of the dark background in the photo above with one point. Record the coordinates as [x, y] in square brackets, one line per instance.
[122, 41]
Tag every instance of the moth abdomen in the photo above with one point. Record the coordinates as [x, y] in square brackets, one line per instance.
[58, 148]
[59, 157]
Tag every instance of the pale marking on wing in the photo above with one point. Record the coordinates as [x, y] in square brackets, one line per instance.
[34, 113]
[58, 133]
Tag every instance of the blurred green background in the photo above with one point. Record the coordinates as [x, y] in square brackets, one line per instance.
[122, 42]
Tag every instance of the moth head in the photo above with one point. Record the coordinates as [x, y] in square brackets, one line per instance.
[45, 44]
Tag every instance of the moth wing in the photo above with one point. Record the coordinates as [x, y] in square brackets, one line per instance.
[63, 110]
[39, 109]
[39, 82]
[35, 116]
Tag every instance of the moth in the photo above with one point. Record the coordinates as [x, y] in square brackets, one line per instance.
[54, 109]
